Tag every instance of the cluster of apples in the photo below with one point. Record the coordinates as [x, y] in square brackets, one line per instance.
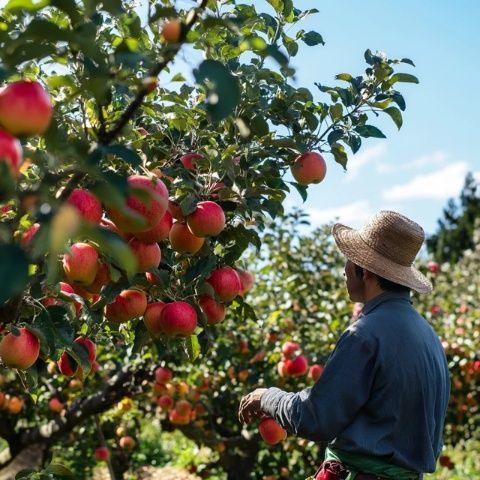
[126, 442]
[12, 404]
[293, 364]
[25, 110]
[176, 398]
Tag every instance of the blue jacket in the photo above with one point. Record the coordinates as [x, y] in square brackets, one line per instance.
[384, 390]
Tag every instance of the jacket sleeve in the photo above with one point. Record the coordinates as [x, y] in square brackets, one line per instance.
[321, 412]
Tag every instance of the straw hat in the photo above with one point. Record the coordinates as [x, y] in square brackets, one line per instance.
[387, 246]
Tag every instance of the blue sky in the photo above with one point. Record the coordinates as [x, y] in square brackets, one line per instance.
[414, 171]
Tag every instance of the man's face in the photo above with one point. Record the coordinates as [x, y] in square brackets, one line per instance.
[355, 283]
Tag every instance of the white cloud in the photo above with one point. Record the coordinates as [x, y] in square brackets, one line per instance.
[369, 155]
[353, 214]
[436, 158]
[438, 185]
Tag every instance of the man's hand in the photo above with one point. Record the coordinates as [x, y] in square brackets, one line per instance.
[250, 405]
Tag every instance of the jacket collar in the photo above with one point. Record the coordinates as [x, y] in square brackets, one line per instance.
[385, 297]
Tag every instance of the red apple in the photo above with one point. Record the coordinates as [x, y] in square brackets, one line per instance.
[89, 347]
[152, 279]
[159, 232]
[226, 283]
[25, 108]
[19, 352]
[289, 348]
[188, 160]
[214, 311]
[148, 255]
[271, 432]
[163, 375]
[102, 454]
[150, 210]
[101, 278]
[183, 407]
[436, 310]
[208, 220]
[10, 152]
[29, 234]
[309, 168]
[87, 204]
[165, 402]
[247, 280]
[67, 365]
[282, 369]
[81, 264]
[297, 366]
[178, 318]
[128, 304]
[177, 419]
[172, 31]
[315, 372]
[183, 241]
[151, 317]
[55, 405]
[434, 267]
[127, 442]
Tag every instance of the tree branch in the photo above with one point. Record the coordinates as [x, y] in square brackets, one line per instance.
[171, 52]
[122, 384]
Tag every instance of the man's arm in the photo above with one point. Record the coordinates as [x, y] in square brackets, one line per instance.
[320, 413]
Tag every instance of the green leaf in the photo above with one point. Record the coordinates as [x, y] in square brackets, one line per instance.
[188, 204]
[124, 152]
[30, 5]
[355, 143]
[407, 60]
[178, 77]
[401, 77]
[395, 115]
[344, 76]
[367, 131]
[43, 328]
[338, 151]
[259, 126]
[58, 469]
[223, 89]
[13, 271]
[80, 355]
[301, 189]
[399, 100]
[142, 337]
[201, 269]
[192, 346]
[336, 111]
[274, 52]
[313, 38]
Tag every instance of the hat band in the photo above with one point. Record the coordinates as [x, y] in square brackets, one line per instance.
[384, 252]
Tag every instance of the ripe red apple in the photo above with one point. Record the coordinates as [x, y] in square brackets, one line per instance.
[101, 278]
[309, 168]
[163, 375]
[208, 219]
[315, 372]
[271, 432]
[183, 241]
[87, 204]
[19, 352]
[128, 304]
[172, 31]
[434, 267]
[165, 402]
[282, 369]
[150, 210]
[214, 311]
[29, 234]
[159, 232]
[289, 348]
[297, 366]
[226, 283]
[246, 279]
[67, 289]
[127, 442]
[436, 310]
[183, 407]
[102, 454]
[81, 264]
[178, 318]
[148, 255]
[188, 160]
[10, 152]
[177, 419]
[55, 405]
[25, 108]
[67, 365]
[89, 347]
[15, 405]
[151, 317]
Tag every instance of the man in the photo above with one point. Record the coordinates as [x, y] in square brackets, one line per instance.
[381, 400]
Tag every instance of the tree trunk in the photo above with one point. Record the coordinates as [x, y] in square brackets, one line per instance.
[30, 457]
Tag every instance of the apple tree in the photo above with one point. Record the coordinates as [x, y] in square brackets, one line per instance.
[141, 153]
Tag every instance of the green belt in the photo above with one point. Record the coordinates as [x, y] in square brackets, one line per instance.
[357, 463]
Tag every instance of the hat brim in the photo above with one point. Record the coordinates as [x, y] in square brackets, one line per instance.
[351, 244]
